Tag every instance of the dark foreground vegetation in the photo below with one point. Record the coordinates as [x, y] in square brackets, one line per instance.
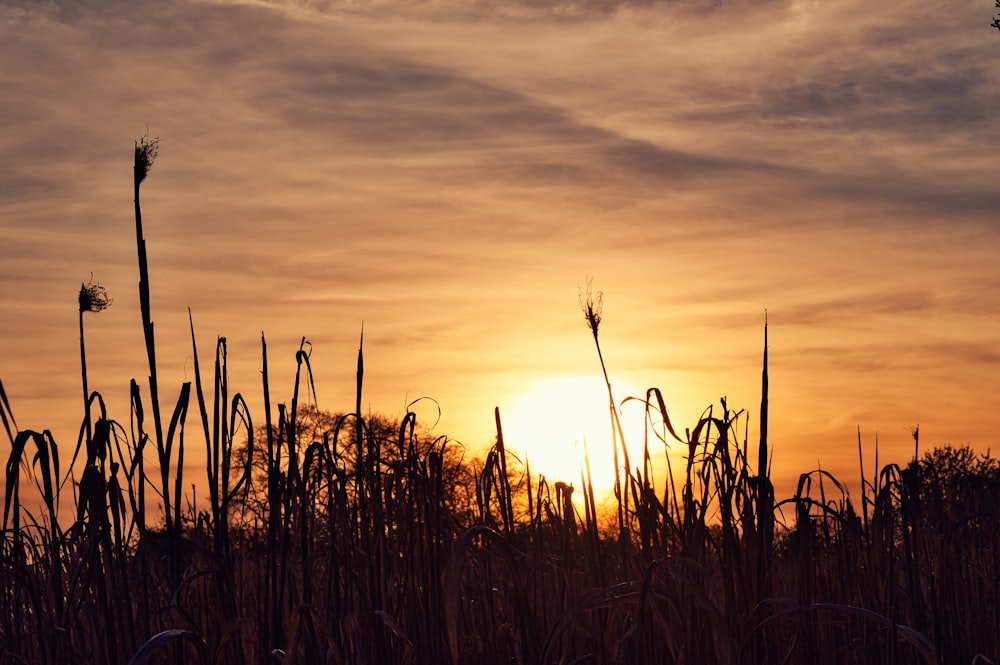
[353, 539]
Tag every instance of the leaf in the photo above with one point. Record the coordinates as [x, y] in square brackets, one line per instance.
[159, 642]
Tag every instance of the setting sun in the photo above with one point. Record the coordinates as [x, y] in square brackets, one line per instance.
[556, 419]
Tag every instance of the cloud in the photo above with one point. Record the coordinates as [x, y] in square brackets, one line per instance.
[351, 97]
[521, 11]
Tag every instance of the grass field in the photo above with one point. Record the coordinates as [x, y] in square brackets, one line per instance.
[343, 538]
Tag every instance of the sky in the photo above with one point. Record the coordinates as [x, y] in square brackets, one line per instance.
[447, 175]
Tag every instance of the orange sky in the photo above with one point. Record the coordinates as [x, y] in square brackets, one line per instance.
[449, 175]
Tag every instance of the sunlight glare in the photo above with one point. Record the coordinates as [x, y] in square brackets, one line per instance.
[551, 422]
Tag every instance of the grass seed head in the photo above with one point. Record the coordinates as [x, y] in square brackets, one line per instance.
[93, 297]
[146, 150]
[592, 305]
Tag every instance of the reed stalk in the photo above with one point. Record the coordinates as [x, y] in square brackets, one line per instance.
[146, 151]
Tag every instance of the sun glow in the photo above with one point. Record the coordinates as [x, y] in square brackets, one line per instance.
[554, 422]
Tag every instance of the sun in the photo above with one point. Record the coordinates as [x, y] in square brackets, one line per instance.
[553, 422]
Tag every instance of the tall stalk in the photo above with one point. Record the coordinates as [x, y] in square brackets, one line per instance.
[272, 605]
[593, 305]
[765, 490]
[93, 298]
[146, 150]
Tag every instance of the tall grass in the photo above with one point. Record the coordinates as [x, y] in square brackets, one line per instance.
[350, 538]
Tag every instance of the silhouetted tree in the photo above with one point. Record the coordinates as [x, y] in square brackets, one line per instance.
[956, 484]
[395, 444]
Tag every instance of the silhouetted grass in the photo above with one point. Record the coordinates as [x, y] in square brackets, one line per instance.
[347, 538]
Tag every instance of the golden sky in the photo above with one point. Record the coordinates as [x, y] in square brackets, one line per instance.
[447, 174]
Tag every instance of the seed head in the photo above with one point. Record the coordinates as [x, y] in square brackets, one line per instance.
[146, 150]
[93, 297]
[592, 305]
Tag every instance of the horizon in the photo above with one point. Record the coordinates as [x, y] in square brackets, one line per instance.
[422, 176]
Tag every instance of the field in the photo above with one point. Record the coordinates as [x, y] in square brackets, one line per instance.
[342, 538]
